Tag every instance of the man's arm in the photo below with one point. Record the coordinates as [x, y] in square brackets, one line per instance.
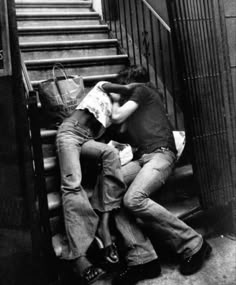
[121, 113]
[120, 89]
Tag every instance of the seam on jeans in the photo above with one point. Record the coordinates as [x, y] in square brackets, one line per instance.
[195, 250]
[143, 259]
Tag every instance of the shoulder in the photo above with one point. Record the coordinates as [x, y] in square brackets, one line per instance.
[99, 85]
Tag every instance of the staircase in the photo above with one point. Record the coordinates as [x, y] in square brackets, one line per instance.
[72, 33]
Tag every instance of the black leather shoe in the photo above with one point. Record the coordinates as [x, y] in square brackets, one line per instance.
[132, 274]
[194, 263]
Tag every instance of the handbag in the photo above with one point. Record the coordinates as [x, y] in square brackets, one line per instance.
[60, 95]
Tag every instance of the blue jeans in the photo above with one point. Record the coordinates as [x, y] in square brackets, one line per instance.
[146, 176]
[81, 221]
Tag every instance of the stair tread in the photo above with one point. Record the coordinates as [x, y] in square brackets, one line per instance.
[184, 208]
[87, 78]
[57, 3]
[45, 63]
[65, 13]
[67, 43]
[71, 59]
[55, 28]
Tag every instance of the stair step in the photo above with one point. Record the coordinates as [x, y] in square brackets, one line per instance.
[64, 33]
[42, 69]
[50, 163]
[53, 2]
[24, 6]
[48, 134]
[65, 49]
[40, 2]
[60, 242]
[53, 183]
[56, 19]
[54, 201]
[182, 209]
[21, 10]
[56, 15]
[61, 22]
[88, 80]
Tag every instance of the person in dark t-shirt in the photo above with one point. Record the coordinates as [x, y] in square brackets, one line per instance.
[148, 127]
[149, 131]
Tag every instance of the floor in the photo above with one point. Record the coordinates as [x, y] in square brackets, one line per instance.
[220, 269]
[16, 263]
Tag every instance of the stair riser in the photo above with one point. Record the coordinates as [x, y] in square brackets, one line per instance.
[53, 183]
[82, 70]
[69, 53]
[63, 37]
[36, 23]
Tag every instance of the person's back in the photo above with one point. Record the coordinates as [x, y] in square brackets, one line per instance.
[148, 128]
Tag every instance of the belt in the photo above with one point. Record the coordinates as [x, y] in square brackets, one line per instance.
[142, 151]
[163, 149]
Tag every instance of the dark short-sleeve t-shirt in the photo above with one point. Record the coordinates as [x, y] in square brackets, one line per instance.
[148, 128]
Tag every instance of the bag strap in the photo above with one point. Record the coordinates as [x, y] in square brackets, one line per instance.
[59, 67]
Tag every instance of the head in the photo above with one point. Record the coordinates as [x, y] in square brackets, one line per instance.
[133, 74]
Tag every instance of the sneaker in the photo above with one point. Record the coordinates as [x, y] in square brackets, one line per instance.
[132, 274]
[194, 263]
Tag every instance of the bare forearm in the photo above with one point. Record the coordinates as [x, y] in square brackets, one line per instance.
[120, 89]
[116, 88]
[115, 112]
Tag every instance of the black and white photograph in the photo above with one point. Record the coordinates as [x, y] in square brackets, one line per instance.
[118, 142]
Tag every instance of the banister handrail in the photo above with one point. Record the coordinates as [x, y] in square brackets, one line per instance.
[27, 83]
[26, 78]
[157, 16]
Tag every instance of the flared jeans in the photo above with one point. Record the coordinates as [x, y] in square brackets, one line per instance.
[146, 175]
[81, 219]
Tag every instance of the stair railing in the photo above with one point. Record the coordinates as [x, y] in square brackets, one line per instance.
[146, 38]
[39, 200]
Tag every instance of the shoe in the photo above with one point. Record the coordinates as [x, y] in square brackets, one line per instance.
[194, 263]
[92, 274]
[110, 253]
[132, 274]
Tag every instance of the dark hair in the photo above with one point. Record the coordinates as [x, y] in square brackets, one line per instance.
[133, 74]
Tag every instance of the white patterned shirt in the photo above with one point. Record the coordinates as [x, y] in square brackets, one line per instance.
[98, 103]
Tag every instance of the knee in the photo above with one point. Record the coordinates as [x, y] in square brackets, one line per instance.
[110, 153]
[134, 201]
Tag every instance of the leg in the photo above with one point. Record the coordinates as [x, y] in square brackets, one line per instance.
[130, 171]
[108, 192]
[141, 258]
[138, 246]
[110, 186]
[80, 219]
[156, 169]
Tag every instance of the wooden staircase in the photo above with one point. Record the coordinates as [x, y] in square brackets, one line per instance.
[71, 33]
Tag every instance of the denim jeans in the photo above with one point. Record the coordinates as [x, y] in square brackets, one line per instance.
[81, 221]
[146, 176]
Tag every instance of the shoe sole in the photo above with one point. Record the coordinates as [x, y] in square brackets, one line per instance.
[207, 252]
